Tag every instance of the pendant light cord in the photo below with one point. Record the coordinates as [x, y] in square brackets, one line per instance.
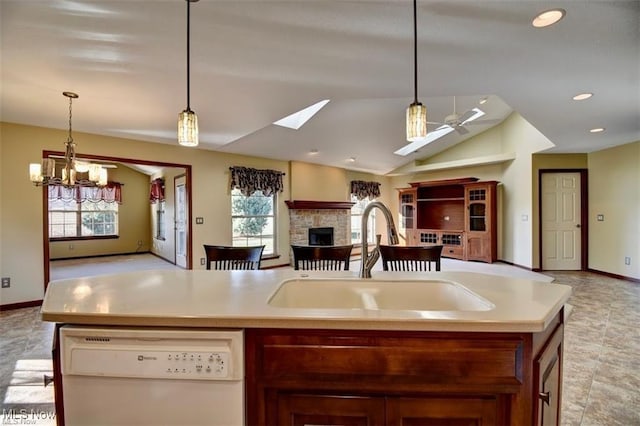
[188, 55]
[415, 53]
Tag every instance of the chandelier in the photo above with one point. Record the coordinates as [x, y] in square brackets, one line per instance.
[187, 119]
[416, 112]
[72, 172]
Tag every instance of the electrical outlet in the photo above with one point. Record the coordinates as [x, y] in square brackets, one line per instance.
[6, 282]
[70, 246]
[202, 260]
[139, 243]
[627, 261]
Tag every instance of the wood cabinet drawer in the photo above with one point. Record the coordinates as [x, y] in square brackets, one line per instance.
[453, 251]
[428, 359]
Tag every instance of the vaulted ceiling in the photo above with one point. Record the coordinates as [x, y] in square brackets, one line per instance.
[255, 62]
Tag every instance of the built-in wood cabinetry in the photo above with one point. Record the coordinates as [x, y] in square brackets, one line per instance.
[460, 214]
[359, 377]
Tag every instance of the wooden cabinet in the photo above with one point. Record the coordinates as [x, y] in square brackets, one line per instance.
[459, 214]
[365, 377]
[481, 221]
[407, 215]
[548, 370]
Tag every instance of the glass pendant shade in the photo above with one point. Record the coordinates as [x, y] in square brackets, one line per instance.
[416, 122]
[188, 128]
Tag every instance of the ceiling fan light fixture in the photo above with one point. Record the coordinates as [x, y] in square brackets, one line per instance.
[187, 119]
[548, 17]
[416, 122]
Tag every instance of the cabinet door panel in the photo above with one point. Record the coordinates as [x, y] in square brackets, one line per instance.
[453, 411]
[548, 369]
[299, 410]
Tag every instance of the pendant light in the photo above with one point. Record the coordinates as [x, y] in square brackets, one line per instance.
[73, 172]
[187, 119]
[416, 112]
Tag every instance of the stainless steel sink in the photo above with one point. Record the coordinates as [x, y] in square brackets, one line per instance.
[414, 295]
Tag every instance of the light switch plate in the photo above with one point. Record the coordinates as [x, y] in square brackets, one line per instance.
[600, 218]
[199, 220]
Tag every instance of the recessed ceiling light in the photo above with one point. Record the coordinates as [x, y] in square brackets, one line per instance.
[597, 130]
[313, 152]
[582, 96]
[483, 101]
[548, 17]
[352, 159]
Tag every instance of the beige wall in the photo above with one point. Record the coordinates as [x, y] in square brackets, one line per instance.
[548, 161]
[521, 138]
[133, 222]
[614, 191]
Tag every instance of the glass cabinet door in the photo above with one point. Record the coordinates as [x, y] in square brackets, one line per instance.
[477, 210]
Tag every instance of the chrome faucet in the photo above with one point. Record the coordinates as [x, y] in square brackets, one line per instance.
[370, 259]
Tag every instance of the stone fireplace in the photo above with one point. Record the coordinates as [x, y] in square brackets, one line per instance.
[305, 215]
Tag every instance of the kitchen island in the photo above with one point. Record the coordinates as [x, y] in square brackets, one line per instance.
[500, 363]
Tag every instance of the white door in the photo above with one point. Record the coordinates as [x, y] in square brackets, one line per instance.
[561, 233]
[181, 218]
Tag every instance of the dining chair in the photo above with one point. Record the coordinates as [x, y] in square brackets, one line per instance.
[405, 258]
[229, 258]
[322, 258]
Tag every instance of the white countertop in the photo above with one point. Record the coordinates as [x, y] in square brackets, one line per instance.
[238, 299]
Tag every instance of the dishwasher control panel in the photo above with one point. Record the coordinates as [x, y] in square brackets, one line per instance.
[175, 354]
[189, 364]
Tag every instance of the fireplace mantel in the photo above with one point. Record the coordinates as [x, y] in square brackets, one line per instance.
[318, 205]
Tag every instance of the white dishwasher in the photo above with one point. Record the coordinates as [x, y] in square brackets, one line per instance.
[139, 376]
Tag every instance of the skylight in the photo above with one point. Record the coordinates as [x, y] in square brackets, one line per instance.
[297, 119]
[431, 136]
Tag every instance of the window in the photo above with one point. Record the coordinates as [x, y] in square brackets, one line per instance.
[71, 219]
[356, 221]
[253, 220]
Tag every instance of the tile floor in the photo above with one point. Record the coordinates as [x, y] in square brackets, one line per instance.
[601, 370]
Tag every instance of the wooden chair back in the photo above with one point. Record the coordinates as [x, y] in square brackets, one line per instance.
[404, 258]
[233, 258]
[321, 258]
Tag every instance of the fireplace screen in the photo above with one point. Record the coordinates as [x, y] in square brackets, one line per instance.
[321, 236]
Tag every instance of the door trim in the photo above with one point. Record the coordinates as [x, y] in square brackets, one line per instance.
[584, 214]
[45, 202]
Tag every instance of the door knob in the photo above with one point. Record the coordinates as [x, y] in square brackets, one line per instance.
[545, 397]
[47, 379]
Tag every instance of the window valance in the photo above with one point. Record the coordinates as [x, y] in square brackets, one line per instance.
[249, 180]
[362, 189]
[111, 193]
[157, 191]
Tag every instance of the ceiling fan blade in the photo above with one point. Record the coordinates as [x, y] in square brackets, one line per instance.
[461, 130]
[467, 115]
[491, 122]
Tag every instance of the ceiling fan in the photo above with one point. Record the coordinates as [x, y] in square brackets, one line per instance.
[457, 121]
[451, 122]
